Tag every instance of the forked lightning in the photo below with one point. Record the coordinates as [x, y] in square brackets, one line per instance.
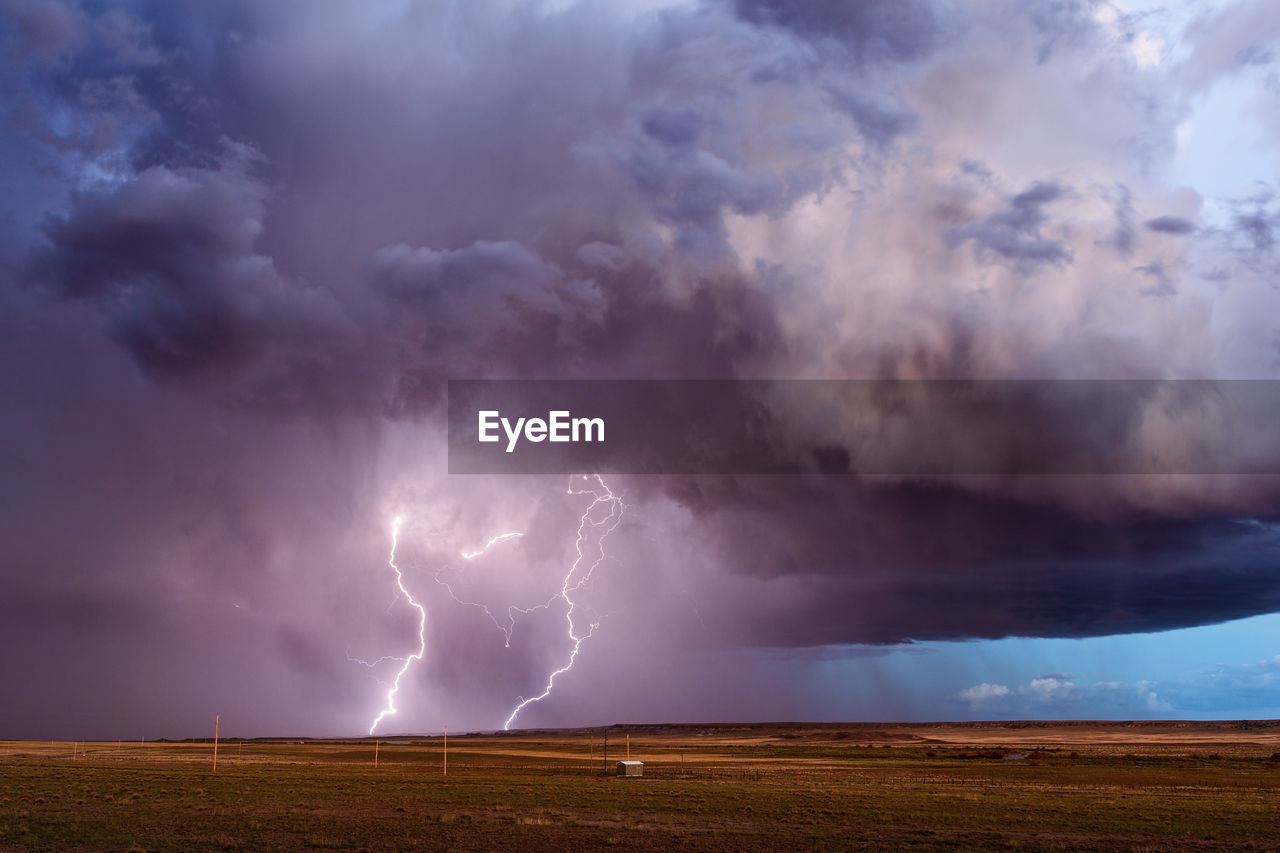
[422, 628]
[606, 525]
[601, 516]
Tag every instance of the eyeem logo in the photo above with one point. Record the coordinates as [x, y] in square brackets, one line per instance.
[559, 426]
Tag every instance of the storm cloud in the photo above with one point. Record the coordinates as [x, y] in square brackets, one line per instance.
[246, 244]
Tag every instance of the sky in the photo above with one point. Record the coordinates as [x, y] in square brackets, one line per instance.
[244, 245]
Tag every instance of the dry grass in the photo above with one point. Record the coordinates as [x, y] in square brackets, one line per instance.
[1080, 786]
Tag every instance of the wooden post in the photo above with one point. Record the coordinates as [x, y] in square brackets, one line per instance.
[628, 746]
[216, 718]
[446, 750]
[375, 753]
[606, 753]
[682, 764]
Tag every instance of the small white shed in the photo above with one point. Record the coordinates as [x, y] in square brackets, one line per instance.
[630, 768]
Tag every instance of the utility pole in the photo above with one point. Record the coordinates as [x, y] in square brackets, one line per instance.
[606, 754]
[216, 717]
[446, 750]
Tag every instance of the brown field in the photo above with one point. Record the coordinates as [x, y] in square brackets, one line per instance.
[955, 786]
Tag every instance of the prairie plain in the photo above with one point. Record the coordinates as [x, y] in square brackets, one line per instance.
[948, 786]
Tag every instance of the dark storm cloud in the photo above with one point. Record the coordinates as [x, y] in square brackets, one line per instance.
[1069, 25]
[1259, 228]
[1170, 225]
[246, 244]
[1123, 237]
[1160, 286]
[484, 270]
[160, 225]
[878, 122]
[878, 30]
[692, 179]
[965, 565]
[169, 259]
[1014, 235]
[43, 28]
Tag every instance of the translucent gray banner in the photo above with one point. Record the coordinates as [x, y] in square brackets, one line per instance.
[883, 427]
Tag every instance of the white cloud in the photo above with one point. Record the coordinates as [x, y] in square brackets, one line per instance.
[1048, 689]
[1148, 50]
[1055, 696]
[984, 693]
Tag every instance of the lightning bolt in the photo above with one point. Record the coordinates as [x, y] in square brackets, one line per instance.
[602, 497]
[422, 627]
[591, 520]
[371, 663]
[501, 537]
[514, 612]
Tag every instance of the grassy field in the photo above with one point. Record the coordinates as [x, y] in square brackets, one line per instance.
[1148, 786]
